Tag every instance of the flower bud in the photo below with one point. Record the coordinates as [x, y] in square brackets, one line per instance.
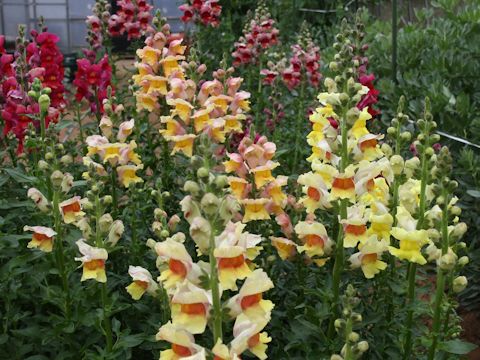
[202, 172]
[339, 324]
[107, 199]
[84, 227]
[464, 260]
[356, 317]
[353, 337]
[159, 214]
[336, 357]
[66, 159]
[459, 284]
[391, 130]
[433, 252]
[164, 233]
[43, 165]
[447, 261]
[406, 136]
[362, 346]
[67, 183]
[210, 203]
[173, 222]
[57, 178]
[44, 102]
[455, 210]
[178, 237]
[333, 66]
[386, 149]
[151, 243]
[228, 207]
[116, 232]
[459, 230]
[191, 187]
[221, 181]
[397, 164]
[105, 222]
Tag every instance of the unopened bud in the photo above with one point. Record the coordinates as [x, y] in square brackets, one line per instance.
[66, 159]
[202, 172]
[464, 260]
[57, 178]
[43, 165]
[105, 222]
[191, 187]
[210, 203]
[459, 284]
[44, 103]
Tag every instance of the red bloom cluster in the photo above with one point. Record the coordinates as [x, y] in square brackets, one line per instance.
[305, 61]
[132, 18]
[371, 98]
[259, 36]
[92, 80]
[206, 12]
[43, 53]
[16, 108]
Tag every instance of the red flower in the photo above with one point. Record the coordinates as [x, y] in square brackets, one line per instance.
[206, 12]
[92, 81]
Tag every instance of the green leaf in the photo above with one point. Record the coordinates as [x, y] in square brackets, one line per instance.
[457, 346]
[474, 193]
[20, 176]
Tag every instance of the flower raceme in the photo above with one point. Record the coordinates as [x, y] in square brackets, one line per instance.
[259, 35]
[34, 61]
[217, 108]
[254, 186]
[92, 81]
[133, 18]
[206, 12]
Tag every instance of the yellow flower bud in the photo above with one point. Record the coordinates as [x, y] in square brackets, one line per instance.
[459, 284]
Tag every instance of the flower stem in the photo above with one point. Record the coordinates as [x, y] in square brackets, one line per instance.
[339, 252]
[348, 346]
[259, 126]
[59, 254]
[412, 268]
[79, 121]
[298, 130]
[103, 289]
[217, 309]
[114, 192]
[440, 281]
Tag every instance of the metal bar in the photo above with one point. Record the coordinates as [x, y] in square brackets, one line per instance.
[69, 37]
[457, 139]
[30, 3]
[35, 13]
[320, 11]
[2, 18]
[394, 41]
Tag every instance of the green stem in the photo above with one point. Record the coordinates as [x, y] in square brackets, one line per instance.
[339, 252]
[412, 268]
[103, 289]
[59, 253]
[348, 347]
[42, 132]
[79, 121]
[217, 308]
[299, 127]
[113, 179]
[440, 280]
[258, 125]
[134, 228]
[164, 305]
[394, 41]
